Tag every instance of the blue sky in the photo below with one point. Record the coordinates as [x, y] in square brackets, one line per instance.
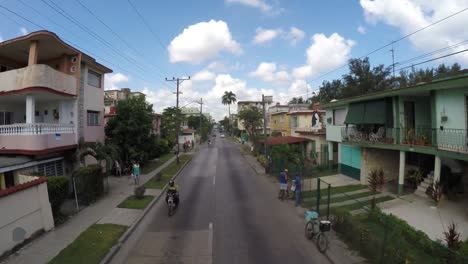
[251, 47]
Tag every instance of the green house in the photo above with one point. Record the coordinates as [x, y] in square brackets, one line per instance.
[418, 128]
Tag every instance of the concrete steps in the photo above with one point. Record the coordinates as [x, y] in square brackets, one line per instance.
[424, 185]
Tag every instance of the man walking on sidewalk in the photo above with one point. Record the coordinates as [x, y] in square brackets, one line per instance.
[297, 190]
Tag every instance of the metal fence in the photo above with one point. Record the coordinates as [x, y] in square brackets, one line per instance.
[379, 237]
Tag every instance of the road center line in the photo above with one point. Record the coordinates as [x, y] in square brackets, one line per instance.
[214, 179]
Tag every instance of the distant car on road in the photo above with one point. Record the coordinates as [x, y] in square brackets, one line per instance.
[214, 135]
[222, 135]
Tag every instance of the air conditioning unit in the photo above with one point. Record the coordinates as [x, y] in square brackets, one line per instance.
[74, 59]
[72, 68]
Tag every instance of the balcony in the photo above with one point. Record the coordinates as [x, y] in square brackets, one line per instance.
[310, 130]
[36, 138]
[443, 139]
[37, 77]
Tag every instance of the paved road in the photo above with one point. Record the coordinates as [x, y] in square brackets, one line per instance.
[228, 214]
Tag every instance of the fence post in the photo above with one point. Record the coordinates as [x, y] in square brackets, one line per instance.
[318, 195]
[328, 202]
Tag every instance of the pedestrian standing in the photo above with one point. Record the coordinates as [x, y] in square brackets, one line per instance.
[283, 180]
[136, 172]
[297, 184]
[118, 169]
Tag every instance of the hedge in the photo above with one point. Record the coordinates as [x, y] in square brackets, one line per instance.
[378, 235]
[57, 187]
[89, 183]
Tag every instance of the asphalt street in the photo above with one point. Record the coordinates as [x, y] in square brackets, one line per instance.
[228, 214]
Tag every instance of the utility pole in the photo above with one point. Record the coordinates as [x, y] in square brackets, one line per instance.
[264, 126]
[201, 117]
[393, 60]
[178, 82]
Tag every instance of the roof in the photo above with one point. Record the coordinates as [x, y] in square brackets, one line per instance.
[271, 141]
[456, 80]
[12, 52]
[279, 112]
[6, 161]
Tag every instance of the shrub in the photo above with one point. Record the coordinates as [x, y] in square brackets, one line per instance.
[57, 187]
[89, 183]
[158, 176]
[452, 237]
[262, 160]
[139, 192]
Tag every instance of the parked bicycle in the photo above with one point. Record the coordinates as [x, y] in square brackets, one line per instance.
[315, 229]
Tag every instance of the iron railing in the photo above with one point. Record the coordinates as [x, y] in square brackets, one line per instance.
[440, 138]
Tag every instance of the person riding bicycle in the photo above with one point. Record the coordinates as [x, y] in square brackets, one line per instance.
[173, 189]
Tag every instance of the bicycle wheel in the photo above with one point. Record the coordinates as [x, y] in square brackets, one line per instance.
[309, 230]
[322, 242]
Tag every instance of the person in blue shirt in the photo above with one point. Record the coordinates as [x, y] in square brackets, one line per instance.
[283, 180]
[297, 183]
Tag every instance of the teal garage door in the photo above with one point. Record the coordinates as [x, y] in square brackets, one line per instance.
[351, 161]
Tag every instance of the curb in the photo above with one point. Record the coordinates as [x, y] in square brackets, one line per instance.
[114, 249]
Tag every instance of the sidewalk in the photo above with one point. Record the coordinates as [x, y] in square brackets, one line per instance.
[47, 246]
[338, 252]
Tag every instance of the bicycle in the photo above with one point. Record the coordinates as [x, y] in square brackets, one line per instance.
[316, 228]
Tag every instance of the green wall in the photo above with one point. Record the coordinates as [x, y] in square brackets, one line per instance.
[351, 161]
[453, 102]
[422, 113]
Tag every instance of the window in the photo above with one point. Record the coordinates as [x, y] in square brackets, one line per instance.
[54, 168]
[281, 119]
[6, 118]
[339, 116]
[94, 79]
[93, 118]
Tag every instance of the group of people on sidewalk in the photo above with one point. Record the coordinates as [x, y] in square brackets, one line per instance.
[295, 187]
[133, 170]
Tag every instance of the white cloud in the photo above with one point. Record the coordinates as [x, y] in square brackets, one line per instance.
[295, 35]
[163, 97]
[324, 54]
[361, 30]
[23, 31]
[265, 7]
[112, 81]
[266, 35]
[203, 75]
[267, 72]
[202, 41]
[411, 15]
[1, 39]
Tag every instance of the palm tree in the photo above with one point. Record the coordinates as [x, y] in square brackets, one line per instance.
[228, 99]
[101, 152]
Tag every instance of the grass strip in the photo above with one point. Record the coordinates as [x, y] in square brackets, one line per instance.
[340, 199]
[361, 205]
[154, 164]
[167, 173]
[91, 246]
[334, 190]
[134, 203]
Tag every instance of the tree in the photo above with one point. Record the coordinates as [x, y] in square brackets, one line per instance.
[252, 118]
[206, 125]
[228, 99]
[297, 100]
[413, 77]
[130, 129]
[100, 152]
[169, 124]
[363, 79]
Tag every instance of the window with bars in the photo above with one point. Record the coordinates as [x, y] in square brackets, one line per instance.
[93, 118]
[94, 79]
[53, 168]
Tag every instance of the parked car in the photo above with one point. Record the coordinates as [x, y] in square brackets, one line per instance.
[222, 135]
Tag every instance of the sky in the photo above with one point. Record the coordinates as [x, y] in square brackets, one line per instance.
[283, 48]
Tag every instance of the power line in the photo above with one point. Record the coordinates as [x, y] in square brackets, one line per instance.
[433, 52]
[160, 42]
[438, 58]
[393, 42]
[73, 44]
[116, 34]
